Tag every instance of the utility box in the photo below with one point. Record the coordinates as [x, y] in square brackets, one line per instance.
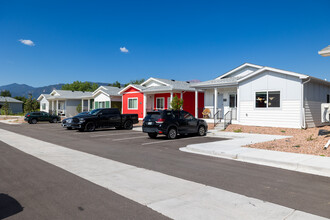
[325, 112]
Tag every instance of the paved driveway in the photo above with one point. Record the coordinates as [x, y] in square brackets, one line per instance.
[287, 188]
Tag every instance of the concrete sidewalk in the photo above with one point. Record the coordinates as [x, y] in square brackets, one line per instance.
[232, 149]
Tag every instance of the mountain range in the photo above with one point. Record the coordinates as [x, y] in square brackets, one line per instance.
[24, 90]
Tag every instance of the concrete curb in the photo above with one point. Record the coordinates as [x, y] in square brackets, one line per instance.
[232, 149]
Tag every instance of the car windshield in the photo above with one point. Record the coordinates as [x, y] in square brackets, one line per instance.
[94, 112]
[83, 113]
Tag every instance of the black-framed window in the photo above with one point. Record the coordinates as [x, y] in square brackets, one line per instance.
[232, 100]
[261, 99]
[268, 99]
[328, 98]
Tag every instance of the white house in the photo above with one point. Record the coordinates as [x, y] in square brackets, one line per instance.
[107, 97]
[65, 103]
[264, 96]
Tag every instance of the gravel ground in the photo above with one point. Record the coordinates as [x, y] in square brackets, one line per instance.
[302, 141]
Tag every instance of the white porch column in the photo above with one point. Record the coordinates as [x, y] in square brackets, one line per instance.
[82, 105]
[56, 107]
[171, 98]
[196, 103]
[53, 106]
[215, 101]
[89, 104]
[144, 105]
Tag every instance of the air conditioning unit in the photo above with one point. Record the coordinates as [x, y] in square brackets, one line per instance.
[325, 112]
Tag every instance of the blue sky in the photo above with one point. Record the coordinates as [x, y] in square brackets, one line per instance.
[183, 40]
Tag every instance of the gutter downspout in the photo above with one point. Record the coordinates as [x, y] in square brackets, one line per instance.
[303, 104]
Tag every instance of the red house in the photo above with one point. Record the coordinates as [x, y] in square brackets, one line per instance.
[156, 94]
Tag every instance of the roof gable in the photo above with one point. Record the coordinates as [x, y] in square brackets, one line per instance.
[154, 82]
[241, 71]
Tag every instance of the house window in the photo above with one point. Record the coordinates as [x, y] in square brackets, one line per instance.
[160, 103]
[274, 99]
[269, 99]
[43, 106]
[328, 98]
[101, 104]
[261, 99]
[132, 103]
[232, 100]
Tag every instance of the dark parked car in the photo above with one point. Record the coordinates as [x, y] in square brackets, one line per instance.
[66, 123]
[34, 117]
[104, 118]
[171, 123]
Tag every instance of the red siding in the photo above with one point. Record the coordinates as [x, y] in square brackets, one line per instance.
[135, 94]
[165, 96]
[188, 101]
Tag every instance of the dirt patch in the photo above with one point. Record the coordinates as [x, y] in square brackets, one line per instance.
[302, 141]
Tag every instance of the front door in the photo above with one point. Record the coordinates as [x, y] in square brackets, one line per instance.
[233, 105]
[220, 105]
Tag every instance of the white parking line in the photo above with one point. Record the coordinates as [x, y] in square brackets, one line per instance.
[171, 196]
[156, 142]
[130, 138]
[105, 135]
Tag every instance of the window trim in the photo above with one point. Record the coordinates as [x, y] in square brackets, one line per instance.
[267, 107]
[161, 98]
[137, 103]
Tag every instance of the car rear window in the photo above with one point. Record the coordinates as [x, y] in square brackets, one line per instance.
[153, 116]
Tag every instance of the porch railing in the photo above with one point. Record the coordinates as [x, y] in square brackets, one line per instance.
[217, 117]
[227, 118]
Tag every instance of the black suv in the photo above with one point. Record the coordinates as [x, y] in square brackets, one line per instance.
[171, 123]
[34, 117]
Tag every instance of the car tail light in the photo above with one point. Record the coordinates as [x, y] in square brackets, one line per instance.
[161, 120]
[28, 115]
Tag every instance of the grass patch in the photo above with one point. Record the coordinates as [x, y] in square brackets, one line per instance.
[310, 138]
[322, 155]
[283, 131]
[238, 130]
[296, 146]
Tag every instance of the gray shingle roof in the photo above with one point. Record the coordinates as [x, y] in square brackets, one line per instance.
[67, 94]
[217, 82]
[110, 90]
[9, 99]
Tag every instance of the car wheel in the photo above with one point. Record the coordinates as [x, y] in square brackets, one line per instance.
[201, 131]
[152, 135]
[90, 126]
[34, 121]
[69, 128]
[172, 133]
[54, 120]
[128, 125]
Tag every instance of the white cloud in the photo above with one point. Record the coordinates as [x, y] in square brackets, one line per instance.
[27, 42]
[123, 50]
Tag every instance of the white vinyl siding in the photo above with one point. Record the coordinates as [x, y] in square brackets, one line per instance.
[315, 95]
[133, 103]
[289, 112]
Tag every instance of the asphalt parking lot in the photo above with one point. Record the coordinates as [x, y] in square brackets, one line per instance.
[135, 148]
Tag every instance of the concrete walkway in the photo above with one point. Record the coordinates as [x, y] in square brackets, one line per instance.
[232, 149]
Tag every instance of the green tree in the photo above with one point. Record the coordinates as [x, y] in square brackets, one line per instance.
[31, 105]
[176, 103]
[115, 84]
[5, 109]
[80, 86]
[136, 82]
[5, 93]
[78, 108]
